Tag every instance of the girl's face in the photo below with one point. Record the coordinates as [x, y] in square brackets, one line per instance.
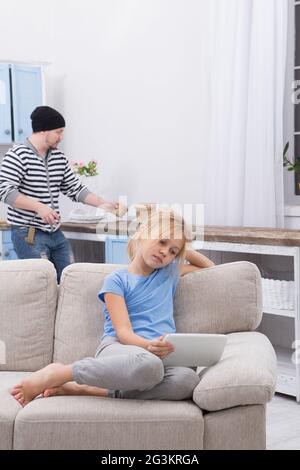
[159, 253]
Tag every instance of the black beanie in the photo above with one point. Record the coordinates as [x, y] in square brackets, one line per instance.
[45, 118]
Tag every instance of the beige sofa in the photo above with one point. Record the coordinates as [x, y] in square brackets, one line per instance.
[40, 324]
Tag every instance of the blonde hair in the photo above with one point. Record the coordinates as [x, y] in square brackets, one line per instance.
[161, 224]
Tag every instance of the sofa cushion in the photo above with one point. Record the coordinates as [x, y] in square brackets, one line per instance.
[221, 299]
[28, 297]
[9, 408]
[245, 375]
[71, 423]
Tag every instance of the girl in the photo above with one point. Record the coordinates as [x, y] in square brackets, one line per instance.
[138, 308]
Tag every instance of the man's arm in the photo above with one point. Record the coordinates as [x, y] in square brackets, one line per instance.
[96, 201]
[196, 261]
[72, 187]
[48, 215]
[110, 206]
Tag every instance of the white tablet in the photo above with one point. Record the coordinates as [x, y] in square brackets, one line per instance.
[195, 350]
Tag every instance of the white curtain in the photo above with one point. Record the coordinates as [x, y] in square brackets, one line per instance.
[244, 55]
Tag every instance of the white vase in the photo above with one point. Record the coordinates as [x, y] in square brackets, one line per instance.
[92, 183]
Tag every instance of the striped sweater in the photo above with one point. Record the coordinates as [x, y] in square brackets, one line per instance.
[25, 172]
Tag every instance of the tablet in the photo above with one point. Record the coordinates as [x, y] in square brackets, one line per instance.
[195, 350]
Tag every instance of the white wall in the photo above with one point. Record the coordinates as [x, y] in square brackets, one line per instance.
[126, 76]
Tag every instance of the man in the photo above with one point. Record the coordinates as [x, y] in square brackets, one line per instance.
[31, 178]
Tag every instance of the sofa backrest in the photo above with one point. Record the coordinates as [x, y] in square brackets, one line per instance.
[79, 319]
[221, 299]
[28, 300]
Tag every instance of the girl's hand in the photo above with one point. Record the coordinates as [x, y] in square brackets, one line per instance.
[160, 348]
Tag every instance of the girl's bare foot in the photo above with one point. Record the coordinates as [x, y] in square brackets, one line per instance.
[73, 388]
[50, 376]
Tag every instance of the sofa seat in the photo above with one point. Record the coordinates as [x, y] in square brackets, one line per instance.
[8, 411]
[70, 423]
[9, 406]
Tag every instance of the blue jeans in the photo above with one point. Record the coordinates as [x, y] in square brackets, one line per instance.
[52, 246]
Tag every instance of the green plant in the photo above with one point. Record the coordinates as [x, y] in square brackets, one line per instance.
[288, 164]
[86, 169]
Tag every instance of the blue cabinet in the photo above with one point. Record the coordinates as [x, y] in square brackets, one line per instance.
[20, 92]
[116, 250]
[27, 95]
[8, 252]
[5, 106]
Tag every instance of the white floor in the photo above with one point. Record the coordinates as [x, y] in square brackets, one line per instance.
[283, 423]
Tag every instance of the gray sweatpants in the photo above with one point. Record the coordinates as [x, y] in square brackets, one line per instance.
[132, 372]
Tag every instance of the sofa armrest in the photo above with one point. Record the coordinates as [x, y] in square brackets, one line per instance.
[245, 375]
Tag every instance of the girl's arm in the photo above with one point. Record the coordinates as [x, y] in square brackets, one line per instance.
[196, 261]
[118, 312]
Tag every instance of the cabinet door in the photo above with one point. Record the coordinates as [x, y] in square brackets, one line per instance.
[116, 250]
[5, 106]
[6, 236]
[27, 95]
[9, 252]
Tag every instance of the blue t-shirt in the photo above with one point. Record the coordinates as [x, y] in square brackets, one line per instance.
[149, 300]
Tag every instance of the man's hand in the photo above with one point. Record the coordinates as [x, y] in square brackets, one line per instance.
[160, 348]
[48, 215]
[114, 207]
